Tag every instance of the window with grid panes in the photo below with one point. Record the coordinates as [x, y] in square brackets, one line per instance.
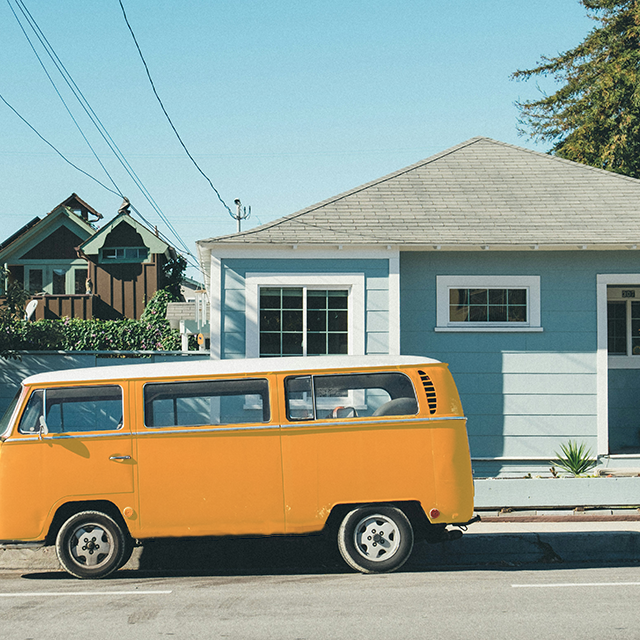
[303, 321]
[617, 327]
[623, 327]
[488, 305]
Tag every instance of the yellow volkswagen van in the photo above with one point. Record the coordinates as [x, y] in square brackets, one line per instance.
[372, 450]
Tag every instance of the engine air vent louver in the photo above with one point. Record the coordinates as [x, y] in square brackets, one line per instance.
[430, 391]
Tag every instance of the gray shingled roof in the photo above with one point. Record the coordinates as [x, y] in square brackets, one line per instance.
[481, 192]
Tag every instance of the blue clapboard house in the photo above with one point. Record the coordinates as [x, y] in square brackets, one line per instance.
[519, 269]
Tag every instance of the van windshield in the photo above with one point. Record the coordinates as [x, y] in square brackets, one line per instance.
[4, 421]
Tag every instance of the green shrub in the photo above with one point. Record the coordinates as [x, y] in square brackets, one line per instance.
[574, 458]
[151, 333]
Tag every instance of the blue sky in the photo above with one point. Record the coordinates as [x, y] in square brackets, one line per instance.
[281, 103]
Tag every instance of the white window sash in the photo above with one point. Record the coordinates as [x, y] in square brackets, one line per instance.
[445, 283]
[354, 283]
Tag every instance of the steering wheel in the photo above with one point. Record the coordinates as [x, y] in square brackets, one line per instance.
[348, 412]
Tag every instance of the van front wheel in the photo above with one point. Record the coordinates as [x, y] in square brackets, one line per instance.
[91, 544]
[375, 539]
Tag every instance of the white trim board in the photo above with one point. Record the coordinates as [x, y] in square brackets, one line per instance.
[530, 283]
[353, 282]
[602, 355]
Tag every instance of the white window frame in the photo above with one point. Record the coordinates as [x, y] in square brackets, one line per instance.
[619, 360]
[47, 276]
[141, 254]
[354, 283]
[445, 283]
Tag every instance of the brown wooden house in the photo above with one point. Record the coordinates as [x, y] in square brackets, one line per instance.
[125, 261]
[74, 270]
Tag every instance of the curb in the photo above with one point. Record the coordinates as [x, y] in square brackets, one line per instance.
[44, 559]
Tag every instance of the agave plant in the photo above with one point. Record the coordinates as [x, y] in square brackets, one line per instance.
[574, 458]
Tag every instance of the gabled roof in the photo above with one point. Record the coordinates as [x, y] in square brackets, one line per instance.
[481, 193]
[154, 243]
[38, 229]
[77, 204]
[19, 232]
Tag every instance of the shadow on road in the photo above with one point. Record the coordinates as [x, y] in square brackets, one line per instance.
[316, 555]
[243, 556]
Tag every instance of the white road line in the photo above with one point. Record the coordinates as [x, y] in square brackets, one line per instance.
[43, 594]
[575, 584]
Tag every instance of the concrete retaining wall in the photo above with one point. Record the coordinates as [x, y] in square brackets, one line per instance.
[527, 493]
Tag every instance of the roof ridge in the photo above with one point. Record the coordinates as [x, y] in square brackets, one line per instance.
[528, 162]
[549, 156]
[354, 190]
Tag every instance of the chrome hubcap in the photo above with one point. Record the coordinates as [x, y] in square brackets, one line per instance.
[90, 545]
[376, 538]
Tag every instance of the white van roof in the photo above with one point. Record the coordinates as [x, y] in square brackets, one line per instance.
[175, 369]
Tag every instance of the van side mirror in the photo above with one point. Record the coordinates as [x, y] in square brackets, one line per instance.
[42, 427]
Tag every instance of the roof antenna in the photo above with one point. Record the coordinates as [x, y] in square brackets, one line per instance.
[241, 213]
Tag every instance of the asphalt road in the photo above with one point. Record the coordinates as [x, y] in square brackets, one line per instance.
[503, 603]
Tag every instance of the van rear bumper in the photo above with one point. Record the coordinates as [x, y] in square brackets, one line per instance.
[21, 544]
[475, 518]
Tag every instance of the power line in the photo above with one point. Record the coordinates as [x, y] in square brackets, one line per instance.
[58, 152]
[153, 86]
[104, 186]
[95, 119]
[53, 84]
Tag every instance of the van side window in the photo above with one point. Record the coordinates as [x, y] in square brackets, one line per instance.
[210, 402]
[349, 396]
[299, 398]
[74, 410]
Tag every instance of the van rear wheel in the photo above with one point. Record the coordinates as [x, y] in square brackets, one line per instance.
[375, 539]
[91, 544]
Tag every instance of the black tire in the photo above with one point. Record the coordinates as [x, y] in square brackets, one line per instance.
[129, 546]
[91, 544]
[375, 539]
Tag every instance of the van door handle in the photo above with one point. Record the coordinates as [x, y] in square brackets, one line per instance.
[120, 458]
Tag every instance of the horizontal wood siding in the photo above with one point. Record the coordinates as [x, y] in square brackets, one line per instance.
[525, 394]
[233, 339]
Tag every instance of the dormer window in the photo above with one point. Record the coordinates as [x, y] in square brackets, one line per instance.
[124, 254]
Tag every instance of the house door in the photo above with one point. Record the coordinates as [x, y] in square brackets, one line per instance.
[623, 368]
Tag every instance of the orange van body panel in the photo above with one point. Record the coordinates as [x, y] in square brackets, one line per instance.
[249, 479]
[210, 484]
[38, 474]
[364, 460]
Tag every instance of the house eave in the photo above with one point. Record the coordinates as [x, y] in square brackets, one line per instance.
[225, 248]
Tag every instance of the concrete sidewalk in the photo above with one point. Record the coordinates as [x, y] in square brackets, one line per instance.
[511, 539]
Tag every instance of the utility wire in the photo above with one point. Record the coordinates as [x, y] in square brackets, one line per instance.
[95, 119]
[58, 152]
[53, 84]
[104, 186]
[153, 86]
